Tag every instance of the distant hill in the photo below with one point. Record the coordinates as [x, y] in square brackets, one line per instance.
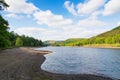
[51, 42]
[109, 37]
[69, 42]
[110, 33]
[73, 39]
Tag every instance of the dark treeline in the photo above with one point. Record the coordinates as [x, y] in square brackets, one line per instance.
[11, 39]
[110, 37]
[17, 40]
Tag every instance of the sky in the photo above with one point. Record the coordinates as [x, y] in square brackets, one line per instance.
[62, 19]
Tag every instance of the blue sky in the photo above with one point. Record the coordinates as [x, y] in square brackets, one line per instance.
[62, 19]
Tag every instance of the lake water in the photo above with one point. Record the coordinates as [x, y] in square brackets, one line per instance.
[77, 60]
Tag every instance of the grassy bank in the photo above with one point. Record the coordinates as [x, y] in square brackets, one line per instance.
[103, 45]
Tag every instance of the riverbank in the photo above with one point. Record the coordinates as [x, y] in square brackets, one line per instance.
[115, 46]
[24, 64]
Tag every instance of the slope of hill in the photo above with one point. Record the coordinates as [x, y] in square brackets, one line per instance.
[110, 33]
[111, 37]
[51, 42]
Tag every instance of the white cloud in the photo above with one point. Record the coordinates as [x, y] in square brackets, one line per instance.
[11, 15]
[70, 7]
[50, 19]
[96, 14]
[31, 31]
[112, 7]
[55, 34]
[91, 22]
[118, 24]
[86, 28]
[39, 33]
[90, 6]
[21, 6]
[85, 8]
[59, 27]
[28, 30]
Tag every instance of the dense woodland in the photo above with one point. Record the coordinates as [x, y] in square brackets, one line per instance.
[110, 37]
[11, 39]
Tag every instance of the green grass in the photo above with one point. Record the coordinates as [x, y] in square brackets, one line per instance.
[103, 45]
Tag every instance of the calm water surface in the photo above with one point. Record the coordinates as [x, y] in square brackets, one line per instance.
[76, 60]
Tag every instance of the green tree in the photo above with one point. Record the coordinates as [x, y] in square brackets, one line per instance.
[99, 40]
[12, 38]
[108, 40]
[117, 38]
[4, 34]
[3, 5]
[19, 42]
[113, 40]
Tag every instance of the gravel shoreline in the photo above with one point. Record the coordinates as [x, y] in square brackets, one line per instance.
[24, 64]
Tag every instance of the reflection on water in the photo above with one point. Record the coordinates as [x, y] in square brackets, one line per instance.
[76, 60]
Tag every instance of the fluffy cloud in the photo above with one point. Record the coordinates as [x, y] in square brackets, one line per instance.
[70, 7]
[40, 33]
[84, 8]
[55, 34]
[50, 19]
[28, 30]
[11, 15]
[31, 31]
[90, 6]
[118, 23]
[91, 22]
[61, 28]
[112, 7]
[21, 6]
[58, 27]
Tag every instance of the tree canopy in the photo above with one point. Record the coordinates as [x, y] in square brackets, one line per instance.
[19, 42]
[4, 34]
[11, 39]
[3, 5]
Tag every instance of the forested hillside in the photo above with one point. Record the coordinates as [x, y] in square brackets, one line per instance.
[69, 42]
[110, 37]
[111, 33]
[11, 39]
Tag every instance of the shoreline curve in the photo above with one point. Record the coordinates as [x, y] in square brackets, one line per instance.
[24, 64]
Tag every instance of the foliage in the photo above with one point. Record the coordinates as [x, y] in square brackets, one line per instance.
[11, 39]
[30, 41]
[26, 41]
[3, 5]
[19, 42]
[4, 34]
[110, 33]
[109, 37]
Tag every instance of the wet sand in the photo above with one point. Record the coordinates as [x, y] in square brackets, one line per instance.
[24, 64]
